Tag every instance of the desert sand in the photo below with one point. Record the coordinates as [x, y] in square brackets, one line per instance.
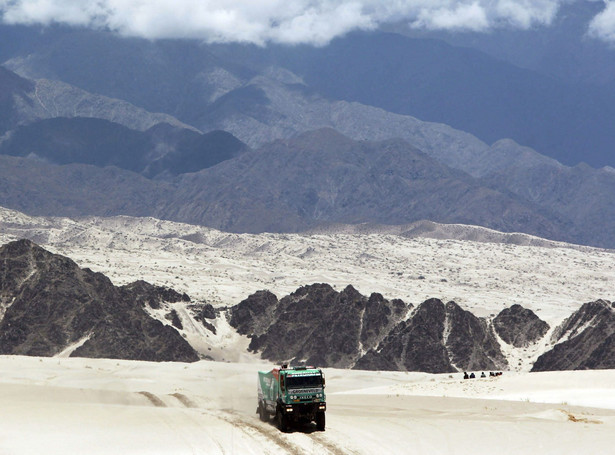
[86, 406]
[71, 406]
[483, 276]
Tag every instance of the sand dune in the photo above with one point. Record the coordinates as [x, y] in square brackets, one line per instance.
[62, 406]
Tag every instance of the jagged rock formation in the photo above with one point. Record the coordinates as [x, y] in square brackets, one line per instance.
[49, 304]
[519, 326]
[586, 340]
[470, 342]
[437, 338]
[346, 329]
[204, 313]
[413, 345]
[317, 324]
[253, 315]
[144, 293]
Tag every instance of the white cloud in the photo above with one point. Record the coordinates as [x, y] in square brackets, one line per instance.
[286, 21]
[525, 13]
[603, 25]
[463, 17]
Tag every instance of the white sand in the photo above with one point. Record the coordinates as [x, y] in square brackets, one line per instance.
[552, 279]
[225, 268]
[84, 406]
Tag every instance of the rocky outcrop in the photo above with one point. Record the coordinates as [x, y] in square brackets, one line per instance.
[346, 329]
[586, 340]
[438, 338]
[253, 315]
[144, 293]
[519, 326]
[470, 342]
[205, 313]
[317, 324]
[413, 345]
[49, 304]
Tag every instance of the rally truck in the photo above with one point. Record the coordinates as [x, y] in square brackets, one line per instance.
[292, 395]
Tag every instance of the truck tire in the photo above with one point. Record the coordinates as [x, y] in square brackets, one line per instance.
[282, 421]
[320, 421]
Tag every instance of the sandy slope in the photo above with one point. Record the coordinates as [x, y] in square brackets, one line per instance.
[79, 406]
[483, 275]
[553, 279]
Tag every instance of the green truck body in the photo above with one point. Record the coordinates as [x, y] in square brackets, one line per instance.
[292, 395]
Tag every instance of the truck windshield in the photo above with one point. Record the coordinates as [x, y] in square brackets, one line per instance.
[301, 382]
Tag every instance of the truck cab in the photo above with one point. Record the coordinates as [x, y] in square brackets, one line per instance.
[292, 395]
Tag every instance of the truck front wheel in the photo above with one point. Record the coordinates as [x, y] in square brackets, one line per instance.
[320, 421]
[282, 421]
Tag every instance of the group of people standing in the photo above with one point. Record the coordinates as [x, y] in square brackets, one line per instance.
[482, 375]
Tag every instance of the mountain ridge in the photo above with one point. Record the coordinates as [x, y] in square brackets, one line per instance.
[163, 149]
[49, 306]
[286, 106]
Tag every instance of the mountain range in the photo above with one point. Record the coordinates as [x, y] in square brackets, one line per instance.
[316, 178]
[49, 306]
[428, 78]
[146, 128]
[162, 150]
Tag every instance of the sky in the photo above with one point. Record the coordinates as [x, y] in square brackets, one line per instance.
[292, 21]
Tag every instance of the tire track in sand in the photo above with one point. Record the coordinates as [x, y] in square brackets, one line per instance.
[153, 399]
[330, 446]
[183, 399]
[271, 433]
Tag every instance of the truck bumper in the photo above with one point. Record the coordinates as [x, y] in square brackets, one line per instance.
[298, 411]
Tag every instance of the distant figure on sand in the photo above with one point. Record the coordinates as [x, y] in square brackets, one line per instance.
[465, 375]
[482, 375]
[472, 376]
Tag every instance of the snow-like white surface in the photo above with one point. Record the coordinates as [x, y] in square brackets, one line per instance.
[72, 406]
[552, 279]
[75, 406]
[224, 268]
